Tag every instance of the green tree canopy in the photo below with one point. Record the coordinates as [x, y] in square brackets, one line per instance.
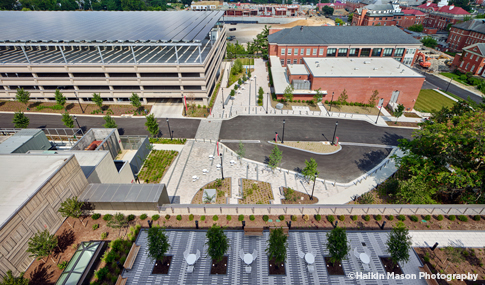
[416, 28]
[71, 207]
[277, 244]
[22, 96]
[289, 92]
[135, 101]
[350, 17]
[110, 122]
[67, 120]
[275, 158]
[339, 22]
[310, 171]
[429, 42]
[152, 125]
[241, 152]
[20, 120]
[9, 279]
[337, 244]
[118, 221]
[319, 96]
[399, 243]
[41, 244]
[399, 111]
[327, 10]
[217, 243]
[98, 100]
[158, 244]
[60, 99]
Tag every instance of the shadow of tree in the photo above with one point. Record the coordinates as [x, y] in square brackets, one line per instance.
[390, 139]
[69, 106]
[371, 159]
[65, 239]
[41, 275]
[34, 104]
[121, 131]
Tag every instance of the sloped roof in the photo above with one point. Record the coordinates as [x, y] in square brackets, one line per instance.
[433, 6]
[342, 35]
[476, 25]
[379, 7]
[413, 12]
[477, 48]
[453, 10]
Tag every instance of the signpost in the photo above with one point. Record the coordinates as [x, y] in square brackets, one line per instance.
[381, 103]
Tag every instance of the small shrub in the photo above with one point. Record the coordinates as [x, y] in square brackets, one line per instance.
[179, 217]
[427, 218]
[107, 217]
[252, 218]
[378, 217]
[104, 235]
[318, 217]
[331, 219]
[240, 218]
[390, 218]
[155, 217]
[102, 273]
[440, 218]
[341, 218]
[413, 218]
[402, 218]
[281, 217]
[294, 218]
[95, 227]
[191, 217]
[215, 218]
[306, 218]
[452, 218]
[354, 218]
[265, 218]
[96, 216]
[477, 218]
[426, 259]
[202, 218]
[143, 217]
[228, 218]
[463, 218]
[62, 265]
[167, 217]
[367, 218]
[130, 218]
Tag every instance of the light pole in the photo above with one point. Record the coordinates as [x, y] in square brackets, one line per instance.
[267, 102]
[333, 140]
[250, 93]
[448, 84]
[379, 112]
[169, 131]
[222, 88]
[283, 136]
[222, 168]
[331, 103]
[255, 87]
[75, 119]
[314, 181]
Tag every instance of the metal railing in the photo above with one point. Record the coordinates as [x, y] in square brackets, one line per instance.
[62, 134]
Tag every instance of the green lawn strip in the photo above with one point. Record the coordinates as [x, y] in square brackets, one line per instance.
[453, 95]
[247, 61]
[233, 78]
[429, 100]
[156, 164]
[455, 77]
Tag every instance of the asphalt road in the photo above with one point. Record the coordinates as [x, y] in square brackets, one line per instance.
[182, 128]
[344, 166]
[443, 84]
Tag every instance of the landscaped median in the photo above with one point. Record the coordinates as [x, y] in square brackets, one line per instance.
[312, 147]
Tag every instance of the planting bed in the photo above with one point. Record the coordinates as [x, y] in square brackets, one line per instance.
[353, 109]
[295, 197]
[319, 147]
[389, 266]
[156, 165]
[223, 189]
[334, 268]
[219, 267]
[196, 111]
[276, 268]
[402, 124]
[287, 105]
[162, 267]
[256, 192]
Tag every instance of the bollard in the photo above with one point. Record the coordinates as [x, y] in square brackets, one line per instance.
[434, 246]
[336, 224]
[196, 224]
[150, 224]
[289, 225]
[243, 224]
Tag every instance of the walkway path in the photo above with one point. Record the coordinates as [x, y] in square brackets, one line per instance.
[447, 238]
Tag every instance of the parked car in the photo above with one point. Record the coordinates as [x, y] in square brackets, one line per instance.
[233, 23]
[230, 38]
[232, 29]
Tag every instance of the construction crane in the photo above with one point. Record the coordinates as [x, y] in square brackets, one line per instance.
[424, 63]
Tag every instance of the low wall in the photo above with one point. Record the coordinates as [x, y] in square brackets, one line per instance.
[260, 20]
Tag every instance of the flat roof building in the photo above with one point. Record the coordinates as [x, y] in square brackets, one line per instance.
[25, 140]
[152, 53]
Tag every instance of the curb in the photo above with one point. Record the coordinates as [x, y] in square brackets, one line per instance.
[317, 153]
[79, 115]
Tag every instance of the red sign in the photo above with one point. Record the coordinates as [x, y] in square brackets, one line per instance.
[185, 103]
[276, 138]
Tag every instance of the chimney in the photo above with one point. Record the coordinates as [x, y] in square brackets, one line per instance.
[452, 6]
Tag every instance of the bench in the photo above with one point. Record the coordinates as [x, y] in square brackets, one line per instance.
[253, 231]
[121, 281]
[285, 229]
[130, 259]
[425, 268]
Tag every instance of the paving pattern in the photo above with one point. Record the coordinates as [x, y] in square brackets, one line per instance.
[296, 271]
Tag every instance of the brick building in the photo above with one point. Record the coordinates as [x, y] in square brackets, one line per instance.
[471, 60]
[387, 15]
[292, 44]
[441, 15]
[395, 82]
[466, 33]
[336, 5]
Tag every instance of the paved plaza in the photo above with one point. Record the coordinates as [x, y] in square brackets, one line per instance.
[296, 270]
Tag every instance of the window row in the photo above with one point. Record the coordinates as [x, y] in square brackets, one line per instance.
[99, 74]
[351, 52]
[106, 87]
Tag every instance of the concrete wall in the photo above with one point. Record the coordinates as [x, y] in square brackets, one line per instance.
[106, 172]
[261, 20]
[39, 213]
[140, 156]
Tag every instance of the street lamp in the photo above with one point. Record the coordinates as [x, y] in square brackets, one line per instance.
[333, 140]
[255, 88]
[169, 131]
[267, 102]
[222, 167]
[448, 84]
[380, 111]
[75, 119]
[222, 88]
[331, 103]
[250, 93]
[283, 136]
[314, 181]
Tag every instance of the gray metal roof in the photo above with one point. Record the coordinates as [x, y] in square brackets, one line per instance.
[78, 26]
[21, 138]
[475, 25]
[325, 35]
[480, 46]
[122, 193]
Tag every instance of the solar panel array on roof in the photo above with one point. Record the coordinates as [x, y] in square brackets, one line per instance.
[101, 26]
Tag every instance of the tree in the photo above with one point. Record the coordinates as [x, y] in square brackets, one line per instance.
[217, 243]
[60, 99]
[429, 42]
[327, 10]
[465, 4]
[135, 101]
[22, 96]
[152, 125]
[350, 17]
[67, 120]
[339, 22]
[158, 243]
[249, 73]
[310, 169]
[416, 28]
[399, 243]
[232, 93]
[260, 96]
[275, 158]
[241, 151]
[110, 122]
[42, 244]
[277, 244]
[289, 93]
[319, 96]
[343, 97]
[398, 112]
[453, 255]
[71, 207]
[98, 100]
[9, 279]
[337, 244]
[373, 98]
[20, 120]
[118, 221]
[413, 191]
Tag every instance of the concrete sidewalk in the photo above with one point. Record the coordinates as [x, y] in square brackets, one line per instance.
[446, 238]
[469, 88]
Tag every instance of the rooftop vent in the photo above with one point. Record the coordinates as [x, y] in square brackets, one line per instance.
[452, 6]
[356, 68]
[375, 68]
[402, 71]
[367, 62]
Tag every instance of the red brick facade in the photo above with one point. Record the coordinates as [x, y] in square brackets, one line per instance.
[471, 60]
[460, 38]
[410, 17]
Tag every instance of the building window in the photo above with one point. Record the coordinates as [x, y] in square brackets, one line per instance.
[320, 52]
[473, 68]
[365, 52]
[354, 52]
[342, 51]
[387, 52]
[471, 56]
[296, 51]
[466, 67]
[289, 51]
[282, 62]
[376, 52]
[302, 51]
[308, 51]
[399, 52]
[295, 61]
[331, 51]
[282, 51]
[288, 61]
[314, 51]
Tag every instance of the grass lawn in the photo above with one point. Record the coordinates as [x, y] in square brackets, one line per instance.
[156, 164]
[455, 77]
[194, 110]
[234, 78]
[429, 100]
[353, 109]
[247, 61]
